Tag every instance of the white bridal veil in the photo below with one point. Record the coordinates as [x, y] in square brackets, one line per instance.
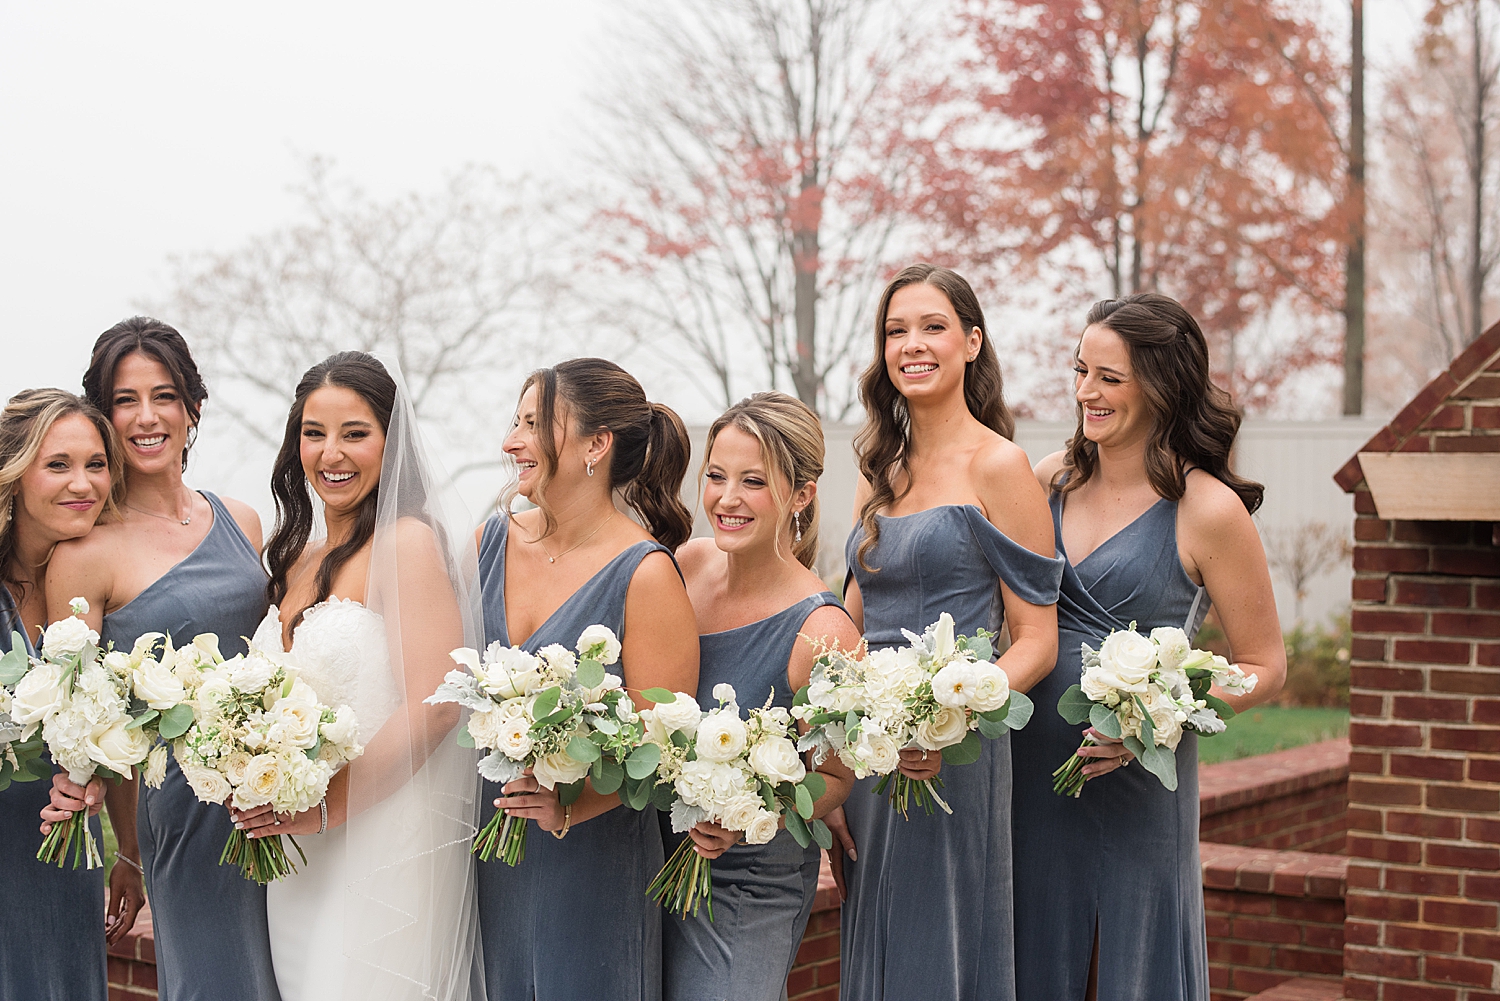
[410, 918]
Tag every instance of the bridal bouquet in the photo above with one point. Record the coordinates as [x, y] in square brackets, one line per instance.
[744, 775]
[20, 759]
[81, 698]
[560, 715]
[940, 692]
[1148, 690]
[260, 735]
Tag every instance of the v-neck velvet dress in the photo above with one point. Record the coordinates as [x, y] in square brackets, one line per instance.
[210, 922]
[51, 919]
[928, 914]
[763, 894]
[1123, 857]
[572, 921]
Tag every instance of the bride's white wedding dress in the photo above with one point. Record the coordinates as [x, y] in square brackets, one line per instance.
[337, 928]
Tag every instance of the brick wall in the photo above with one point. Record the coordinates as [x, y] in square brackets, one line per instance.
[1424, 788]
[132, 962]
[1290, 799]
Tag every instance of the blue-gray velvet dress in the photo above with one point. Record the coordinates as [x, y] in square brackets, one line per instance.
[928, 914]
[572, 921]
[209, 921]
[51, 919]
[763, 894]
[1123, 857]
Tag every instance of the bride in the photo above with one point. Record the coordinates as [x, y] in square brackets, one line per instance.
[383, 908]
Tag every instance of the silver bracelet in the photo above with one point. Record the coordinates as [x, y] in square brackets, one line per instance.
[131, 862]
[322, 815]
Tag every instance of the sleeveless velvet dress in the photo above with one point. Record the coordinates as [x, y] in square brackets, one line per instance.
[763, 894]
[928, 914]
[1123, 857]
[51, 920]
[210, 922]
[572, 921]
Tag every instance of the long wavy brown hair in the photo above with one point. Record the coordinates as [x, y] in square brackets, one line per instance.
[1193, 421]
[882, 443]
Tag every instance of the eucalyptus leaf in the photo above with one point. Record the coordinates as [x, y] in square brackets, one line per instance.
[980, 647]
[822, 835]
[175, 721]
[555, 717]
[816, 785]
[679, 739]
[768, 795]
[4, 782]
[659, 695]
[801, 699]
[583, 749]
[1224, 709]
[464, 739]
[590, 673]
[142, 719]
[965, 752]
[14, 664]
[545, 702]
[606, 725]
[662, 796]
[991, 729]
[607, 776]
[997, 715]
[798, 829]
[804, 803]
[1020, 711]
[1103, 719]
[568, 793]
[643, 761]
[1074, 706]
[636, 793]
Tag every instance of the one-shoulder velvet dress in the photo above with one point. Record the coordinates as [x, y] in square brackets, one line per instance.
[762, 894]
[572, 921]
[1123, 857]
[928, 914]
[51, 919]
[209, 921]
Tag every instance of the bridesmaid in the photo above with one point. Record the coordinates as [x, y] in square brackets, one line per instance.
[573, 920]
[59, 465]
[180, 562]
[764, 457]
[1153, 526]
[950, 520]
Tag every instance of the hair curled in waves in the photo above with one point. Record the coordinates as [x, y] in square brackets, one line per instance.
[1194, 422]
[363, 374]
[791, 443]
[651, 449]
[156, 340]
[881, 444]
[24, 423]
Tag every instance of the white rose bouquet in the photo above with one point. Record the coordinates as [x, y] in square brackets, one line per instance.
[260, 736]
[560, 715]
[1147, 690]
[80, 697]
[941, 692]
[20, 759]
[742, 774]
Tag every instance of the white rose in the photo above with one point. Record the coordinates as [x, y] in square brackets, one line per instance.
[762, 829]
[876, 752]
[601, 642]
[513, 737]
[156, 767]
[37, 694]
[484, 727]
[263, 778]
[776, 759]
[235, 766]
[156, 685]
[251, 674]
[737, 812]
[552, 770]
[295, 723]
[954, 685]
[722, 736]
[949, 726]
[214, 690]
[117, 663]
[1095, 683]
[991, 687]
[1125, 661]
[682, 713]
[208, 785]
[1165, 725]
[67, 637]
[117, 747]
[1172, 646]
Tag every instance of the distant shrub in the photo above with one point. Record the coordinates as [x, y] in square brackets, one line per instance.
[1317, 665]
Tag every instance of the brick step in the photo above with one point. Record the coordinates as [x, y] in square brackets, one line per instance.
[1303, 989]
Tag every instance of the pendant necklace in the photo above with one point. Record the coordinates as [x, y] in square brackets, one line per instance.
[165, 517]
[554, 559]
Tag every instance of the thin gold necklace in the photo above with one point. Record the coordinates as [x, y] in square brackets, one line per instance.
[554, 559]
[165, 517]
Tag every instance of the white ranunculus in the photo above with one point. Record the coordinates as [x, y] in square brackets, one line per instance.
[739, 810]
[214, 690]
[67, 637]
[599, 642]
[156, 767]
[118, 747]
[776, 760]
[342, 731]
[208, 785]
[1125, 661]
[876, 752]
[721, 736]
[38, 693]
[484, 727]
[235, 765]
[762, 829]
[513, 737]
[991, 687]
[954, 685]
[682, 713]
[263, 778]
[1172, 646]
[251, 674]
[947, 727]
[117, 663]
[552, 770]
[156, 685]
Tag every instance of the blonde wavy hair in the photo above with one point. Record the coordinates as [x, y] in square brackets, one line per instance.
[24, 424]
[791, 443]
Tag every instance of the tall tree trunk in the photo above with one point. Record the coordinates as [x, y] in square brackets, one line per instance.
[805, 297]
[1354, 261]
[1476, 171]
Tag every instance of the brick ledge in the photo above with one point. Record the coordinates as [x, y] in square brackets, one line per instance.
[1233, 784]
[1279, 872]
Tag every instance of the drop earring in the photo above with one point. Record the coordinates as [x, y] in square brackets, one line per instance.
[797, 521]
[590, 466]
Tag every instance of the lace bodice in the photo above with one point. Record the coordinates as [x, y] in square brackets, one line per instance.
[339, 648]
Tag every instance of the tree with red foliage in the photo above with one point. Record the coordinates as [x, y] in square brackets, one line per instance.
[1187, 147]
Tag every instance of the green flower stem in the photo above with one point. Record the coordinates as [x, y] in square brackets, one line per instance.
[903, 791]
[260, 859]
[505, 833]
[684, 882]
[72, 836]
[1068, 780]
